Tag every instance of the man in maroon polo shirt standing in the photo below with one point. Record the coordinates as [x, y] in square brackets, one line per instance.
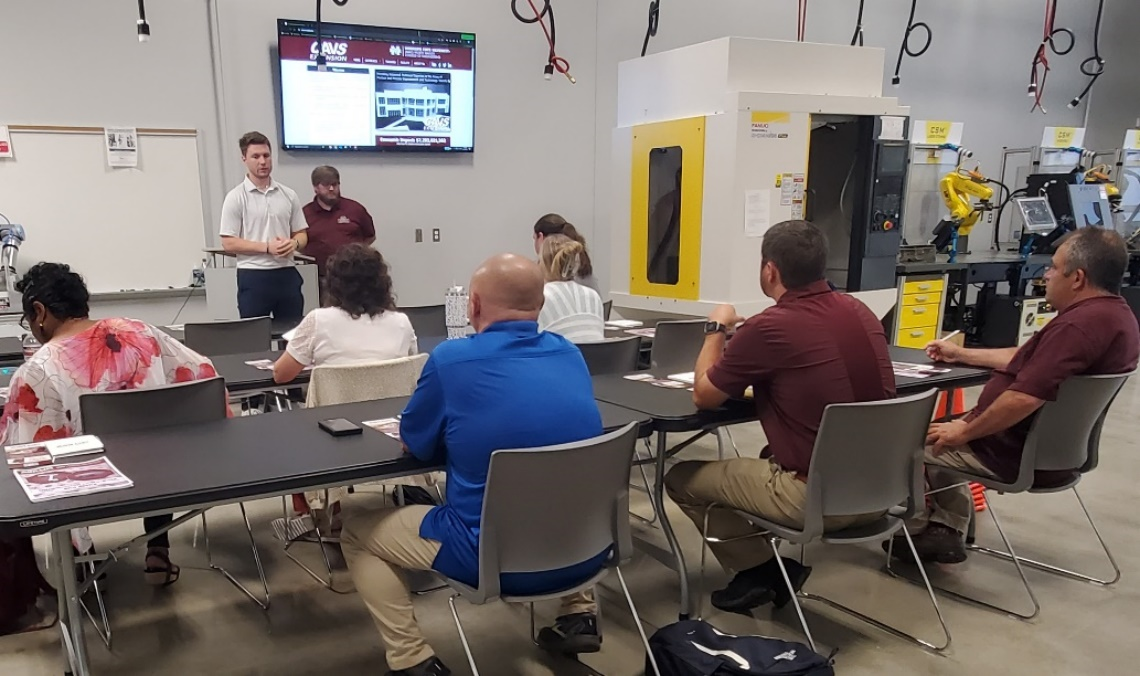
[334, 221]
[814, 347]
[1094, 333]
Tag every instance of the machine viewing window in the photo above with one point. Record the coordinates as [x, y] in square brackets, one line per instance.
[663, 253]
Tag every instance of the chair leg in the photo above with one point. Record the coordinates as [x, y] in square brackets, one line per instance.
[700, 602]
[722, 434]
[463, 636]
[774, 544]
[637, 620]
[1056, 570]
[984, 604]
[647, 487]
[888, 628]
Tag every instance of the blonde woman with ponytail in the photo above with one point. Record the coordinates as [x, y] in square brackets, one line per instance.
[572, 309]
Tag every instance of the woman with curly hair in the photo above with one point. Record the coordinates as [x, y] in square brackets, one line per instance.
[80, 355]
[360, 323]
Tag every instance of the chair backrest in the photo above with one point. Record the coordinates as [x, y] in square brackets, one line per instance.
[364, 382]
[189, 403]
[611, 356]
[607, 307]
[237, 336]
[676, 345]
[555, 506]
[429, 320]
[868, 458]
[1065, 435]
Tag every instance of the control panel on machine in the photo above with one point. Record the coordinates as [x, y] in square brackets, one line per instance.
[885, 222]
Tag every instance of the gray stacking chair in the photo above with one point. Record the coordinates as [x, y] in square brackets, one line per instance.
[529, 493]
[607, 308]
[191, 403]
[867, 459]
[676, 345]
[429, 320]
[237, 336]
[615, 356]
[1064, 435]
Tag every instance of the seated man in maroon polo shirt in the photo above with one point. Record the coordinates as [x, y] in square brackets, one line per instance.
[814, 347]
[334, 221]
[1094, 332]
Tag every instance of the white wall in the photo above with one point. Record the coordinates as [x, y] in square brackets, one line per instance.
[975, 72]
[534, 139]
[73, 62]
[1115, 104]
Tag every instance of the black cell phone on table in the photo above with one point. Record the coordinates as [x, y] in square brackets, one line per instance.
[340, 427]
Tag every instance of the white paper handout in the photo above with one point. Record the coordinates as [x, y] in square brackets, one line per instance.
[907, 370]
[122, 146]
[624, 324]
[52, 482]
[688, 377]
[388, 426]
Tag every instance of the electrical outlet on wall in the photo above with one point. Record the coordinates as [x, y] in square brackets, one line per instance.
[435, 234]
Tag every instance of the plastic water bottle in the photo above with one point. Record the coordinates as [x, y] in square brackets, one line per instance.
[30, 345]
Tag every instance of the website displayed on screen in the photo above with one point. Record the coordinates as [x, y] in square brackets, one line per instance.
[382, 89]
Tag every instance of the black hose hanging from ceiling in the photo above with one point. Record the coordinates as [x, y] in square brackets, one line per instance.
[1093, 67]
[904, 49]
[547, 11]
[654, 22]
[857, 38]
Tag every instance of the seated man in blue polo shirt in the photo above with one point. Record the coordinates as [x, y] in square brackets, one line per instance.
[509, 386]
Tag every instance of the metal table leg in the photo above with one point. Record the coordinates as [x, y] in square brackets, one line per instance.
[71, 616]
[674, 546]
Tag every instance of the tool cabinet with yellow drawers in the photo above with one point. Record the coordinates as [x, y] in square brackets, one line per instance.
[918, 314]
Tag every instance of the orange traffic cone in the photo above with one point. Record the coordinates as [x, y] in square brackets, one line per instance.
[979, 493]
[959, 405]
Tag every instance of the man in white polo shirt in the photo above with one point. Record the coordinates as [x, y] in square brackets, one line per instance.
[263, 224]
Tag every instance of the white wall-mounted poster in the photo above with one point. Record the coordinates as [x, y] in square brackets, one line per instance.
[122, 146]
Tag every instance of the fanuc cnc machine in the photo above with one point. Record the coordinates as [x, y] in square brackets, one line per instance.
[718, 141]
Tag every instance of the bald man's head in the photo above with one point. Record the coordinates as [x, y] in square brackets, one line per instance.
[505, 287]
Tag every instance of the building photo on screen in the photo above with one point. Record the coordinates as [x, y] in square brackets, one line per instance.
[381, 88]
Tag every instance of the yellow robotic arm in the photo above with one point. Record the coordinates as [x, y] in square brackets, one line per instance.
[958, 187]
[1100, 174]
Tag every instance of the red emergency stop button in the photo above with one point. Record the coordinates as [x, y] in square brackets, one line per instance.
[888, 225]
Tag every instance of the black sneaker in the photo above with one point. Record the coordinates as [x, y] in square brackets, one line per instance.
[937, 544]
[432, 666]
[572, 635]
[749, 589]
[414, 495]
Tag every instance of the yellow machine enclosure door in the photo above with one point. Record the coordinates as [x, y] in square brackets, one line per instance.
[666, 203]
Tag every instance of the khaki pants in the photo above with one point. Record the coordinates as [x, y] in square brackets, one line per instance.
[950, 507]
[381, 544]
[754, 485]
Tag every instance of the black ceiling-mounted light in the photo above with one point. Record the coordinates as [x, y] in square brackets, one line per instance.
[141, 25]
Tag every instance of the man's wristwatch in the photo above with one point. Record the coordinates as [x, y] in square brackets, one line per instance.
[715, 327]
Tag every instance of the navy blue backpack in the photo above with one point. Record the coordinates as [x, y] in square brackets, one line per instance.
[696, 648]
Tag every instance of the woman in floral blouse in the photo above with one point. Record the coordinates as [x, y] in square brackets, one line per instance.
[82, 355]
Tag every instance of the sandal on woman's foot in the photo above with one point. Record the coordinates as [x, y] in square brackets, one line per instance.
[159, 571]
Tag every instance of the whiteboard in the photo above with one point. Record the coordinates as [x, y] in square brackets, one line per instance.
[122, 229]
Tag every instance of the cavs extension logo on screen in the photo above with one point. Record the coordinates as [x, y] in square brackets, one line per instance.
[333, 51]
[395, 50]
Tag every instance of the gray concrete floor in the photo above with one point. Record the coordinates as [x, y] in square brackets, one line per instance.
[202, 625]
